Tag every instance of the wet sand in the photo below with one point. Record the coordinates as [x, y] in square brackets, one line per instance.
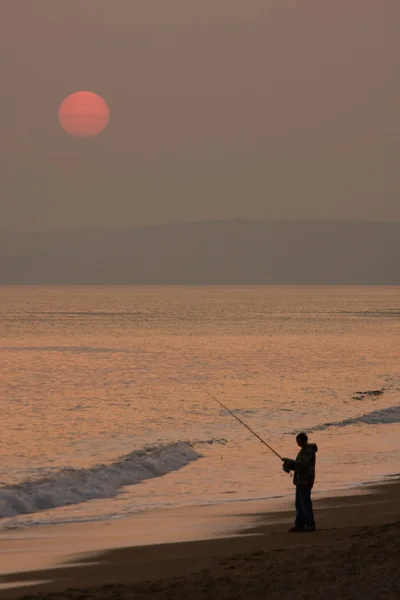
[354, 554]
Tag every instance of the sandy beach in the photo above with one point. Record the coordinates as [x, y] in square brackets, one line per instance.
[354, 554]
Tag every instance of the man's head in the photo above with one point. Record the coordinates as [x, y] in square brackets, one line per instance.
[301, 439]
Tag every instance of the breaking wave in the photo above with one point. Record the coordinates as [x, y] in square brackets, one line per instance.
[72, 486]
[377, 417]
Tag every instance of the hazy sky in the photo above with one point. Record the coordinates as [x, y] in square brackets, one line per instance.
[219, 109]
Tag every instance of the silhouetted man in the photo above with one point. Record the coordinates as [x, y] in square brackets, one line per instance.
[304, 475]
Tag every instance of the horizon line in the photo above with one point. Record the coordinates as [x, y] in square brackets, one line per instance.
[201, 222]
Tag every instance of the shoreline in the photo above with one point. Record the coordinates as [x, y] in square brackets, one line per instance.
[245, 533]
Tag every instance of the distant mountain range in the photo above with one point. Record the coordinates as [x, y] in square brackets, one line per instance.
[234, 252]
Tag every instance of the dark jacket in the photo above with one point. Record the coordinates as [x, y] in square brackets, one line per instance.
[304, 465]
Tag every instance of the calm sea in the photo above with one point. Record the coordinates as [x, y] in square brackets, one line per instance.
[102, 414]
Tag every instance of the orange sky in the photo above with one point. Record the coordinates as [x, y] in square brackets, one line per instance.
[258, 109]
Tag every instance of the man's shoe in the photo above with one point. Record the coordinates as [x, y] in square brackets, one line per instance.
[296, 530]
[310, 528]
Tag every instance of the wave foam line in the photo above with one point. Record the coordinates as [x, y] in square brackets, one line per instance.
[72, 486]
[384, 416]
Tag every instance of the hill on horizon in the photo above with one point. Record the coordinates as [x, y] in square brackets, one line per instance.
[231, 252]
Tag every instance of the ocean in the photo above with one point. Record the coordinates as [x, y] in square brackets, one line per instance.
[104, 404]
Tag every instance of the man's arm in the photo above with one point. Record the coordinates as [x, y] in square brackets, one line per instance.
[302, 460]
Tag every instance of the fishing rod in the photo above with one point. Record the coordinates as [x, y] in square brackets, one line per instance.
[203, 389]
[240, 420]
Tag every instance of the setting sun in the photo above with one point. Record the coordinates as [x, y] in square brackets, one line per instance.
[84, 114]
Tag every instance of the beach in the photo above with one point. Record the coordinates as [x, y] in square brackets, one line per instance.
[353, 554]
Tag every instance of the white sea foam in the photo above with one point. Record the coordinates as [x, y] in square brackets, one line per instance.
[376, 417]
[72, 486]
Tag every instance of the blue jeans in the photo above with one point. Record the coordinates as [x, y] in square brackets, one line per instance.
[304, 508]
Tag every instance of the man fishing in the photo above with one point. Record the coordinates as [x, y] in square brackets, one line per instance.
[303, 467]
[304, 475]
